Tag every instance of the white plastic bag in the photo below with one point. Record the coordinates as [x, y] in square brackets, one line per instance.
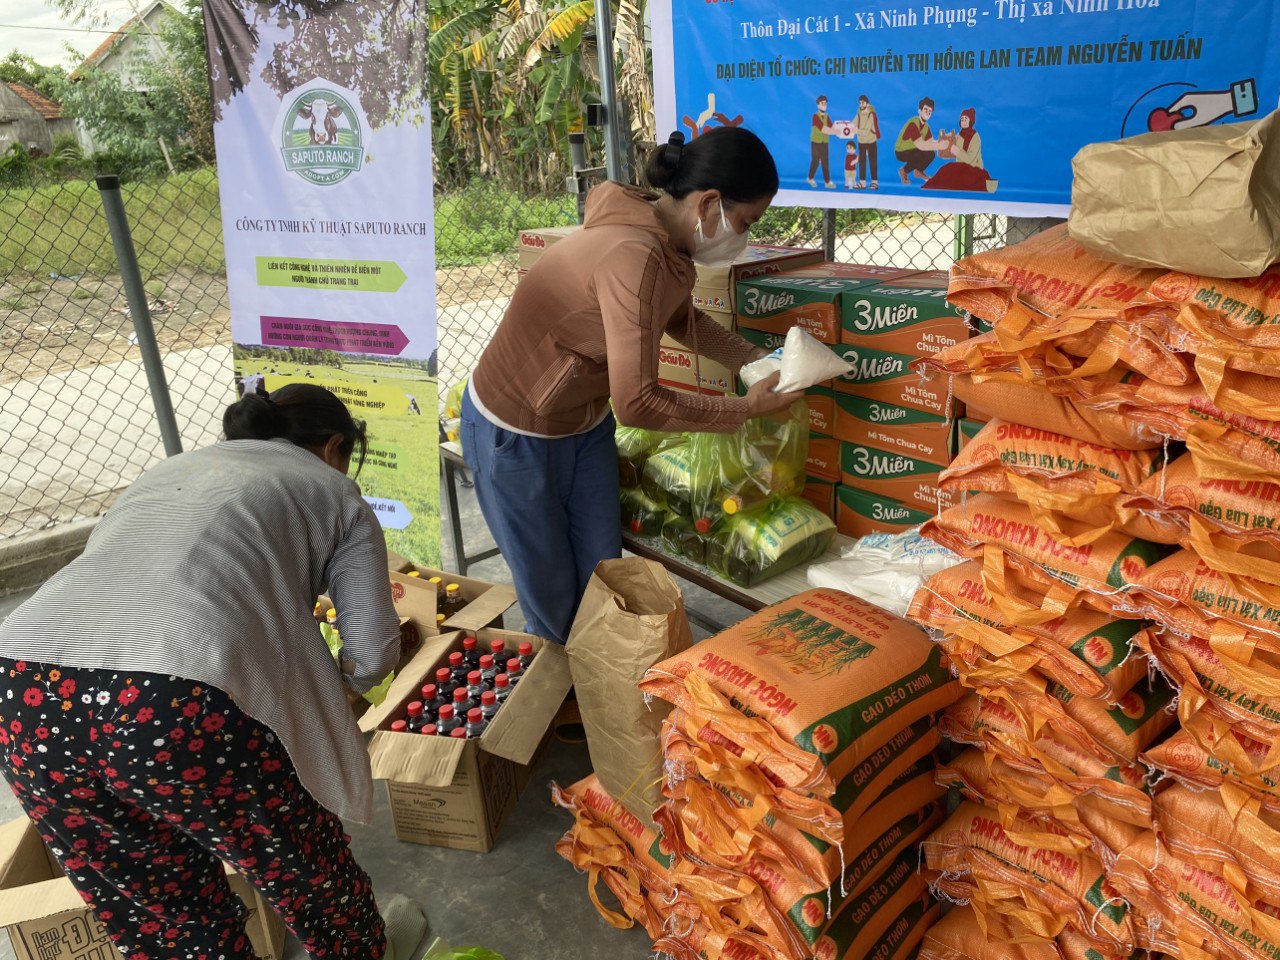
[802, 360]
[885, 569]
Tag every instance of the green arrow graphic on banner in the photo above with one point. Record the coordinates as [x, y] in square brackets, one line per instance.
[303, 273]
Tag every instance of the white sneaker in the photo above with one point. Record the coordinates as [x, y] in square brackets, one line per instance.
[812, 184]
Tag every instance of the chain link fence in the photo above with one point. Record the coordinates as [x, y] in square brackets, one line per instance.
[76, 415]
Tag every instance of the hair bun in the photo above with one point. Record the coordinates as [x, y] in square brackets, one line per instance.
[253, 417]
[663, 167]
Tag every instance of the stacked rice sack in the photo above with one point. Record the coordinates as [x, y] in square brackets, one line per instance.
[1133, 479]
[800, 781]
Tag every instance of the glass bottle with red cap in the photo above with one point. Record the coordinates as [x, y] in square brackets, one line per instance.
[475, 723]
[488, 670]
[471, 652]
[448, 721]
[526, 654]
[514, 672]
[489, 705]
[416, 720]
[458, 669]
[501, 688]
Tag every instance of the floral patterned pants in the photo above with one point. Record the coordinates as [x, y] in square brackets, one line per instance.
[141, 784]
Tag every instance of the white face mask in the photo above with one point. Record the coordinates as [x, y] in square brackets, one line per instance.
[722, 249]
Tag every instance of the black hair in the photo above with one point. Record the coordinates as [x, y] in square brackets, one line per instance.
[732, 160]
[926, 102]
[822, 99]
[864, 99]
[305, 414]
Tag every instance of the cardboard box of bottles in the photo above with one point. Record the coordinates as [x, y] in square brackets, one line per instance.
[415, 597]
[47, 920]
[859, 513]
[811, 298]
[822, 494]
[532, 244]
[717, 286]
[894, 475]
[447, 792]
[890, 427]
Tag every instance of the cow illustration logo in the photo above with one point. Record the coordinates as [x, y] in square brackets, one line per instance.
[321, 138]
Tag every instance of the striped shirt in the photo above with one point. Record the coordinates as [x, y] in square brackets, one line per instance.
[207, 568]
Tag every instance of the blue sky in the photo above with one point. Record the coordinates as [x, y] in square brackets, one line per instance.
[33, 27]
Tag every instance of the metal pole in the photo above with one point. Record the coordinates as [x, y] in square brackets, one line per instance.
[614, 148]
[829, 234]
[127, 260]
[963, 246]
[578, 161]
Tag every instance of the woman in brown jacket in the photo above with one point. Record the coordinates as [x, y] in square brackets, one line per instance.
[584, 327]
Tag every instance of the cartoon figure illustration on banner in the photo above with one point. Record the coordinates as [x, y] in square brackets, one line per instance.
[916, 148]
[866, 128]
[1159, 110]
[963, 147]
[850, 164]
[820, 131]
[703, 124]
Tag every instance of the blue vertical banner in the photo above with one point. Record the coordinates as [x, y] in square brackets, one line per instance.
[956, 107]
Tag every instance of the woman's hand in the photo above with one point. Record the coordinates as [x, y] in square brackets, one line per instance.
[763, 402]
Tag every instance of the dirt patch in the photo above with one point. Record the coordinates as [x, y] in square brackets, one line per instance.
[53, 326]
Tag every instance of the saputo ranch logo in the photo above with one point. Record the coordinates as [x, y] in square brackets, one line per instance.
[321, 140]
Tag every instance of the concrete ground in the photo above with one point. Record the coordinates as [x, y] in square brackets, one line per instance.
[520, 900]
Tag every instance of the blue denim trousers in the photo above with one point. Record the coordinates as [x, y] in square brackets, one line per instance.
[552, 507]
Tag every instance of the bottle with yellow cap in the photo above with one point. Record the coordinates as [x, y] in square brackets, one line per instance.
[453, 600]
[331, 615]
[439, 585]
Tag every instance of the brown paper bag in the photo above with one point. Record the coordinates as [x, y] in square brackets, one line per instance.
[1201, 200]
[631, 617]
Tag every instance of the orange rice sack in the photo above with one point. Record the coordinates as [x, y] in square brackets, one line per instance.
[1015, 792]
[806, 690]
[1189, 757]
[1027, 877]
[1190, 597]
[732, 903]
[1058, 477]
[991, 726]
[895, 903]
[612, 846]
[1234, 514]
[1088, 652]
[964, 934]
[1188, 910]
[1003, 532]
[1034, 405]
[1046, 278]
[725, 827]
[1240, 317]
[1210, 679]
[1231, 830]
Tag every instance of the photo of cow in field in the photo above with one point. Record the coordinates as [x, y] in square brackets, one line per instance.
[322, 116]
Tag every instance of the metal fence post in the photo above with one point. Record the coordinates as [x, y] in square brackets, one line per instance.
[617, 154]
[964, 236]
[829, 234]
[136, 294]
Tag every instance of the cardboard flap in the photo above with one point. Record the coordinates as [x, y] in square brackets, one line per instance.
[35, 901]
[521, 724]
[22, 856]
[483, 610]
[414, 598]
[410, 678]
[414, 758]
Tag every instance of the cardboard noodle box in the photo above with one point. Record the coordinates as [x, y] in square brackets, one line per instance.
[532, 244]
[822, 494]
[890, 427]
[811, 298]
[930, 395]
[415, 597]
[458, 793]
[679, 369]
[822, 411]
[720, 283]
[908, 315]
[966, 430]
[860, 513]
[896, 476]
[823, 461]
[46, 919]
